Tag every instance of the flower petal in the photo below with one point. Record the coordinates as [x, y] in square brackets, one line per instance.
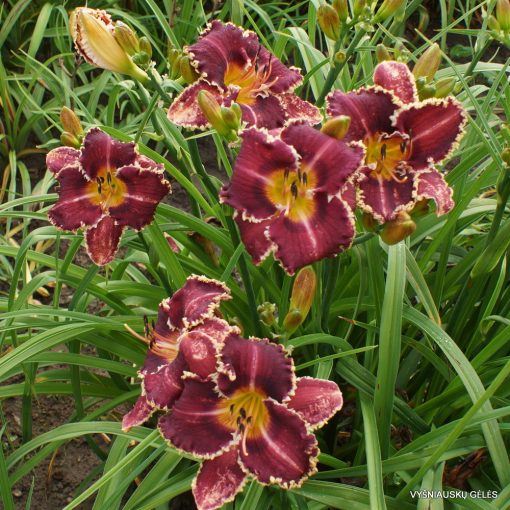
[140, 413]
[163, 386]
[435, 126]
[101, 151]
[296, 109]
[284, 453]
[256, 363]
[223, 45]
[384, 198]
[194, 425]
[74, 208]
[144, 190]
[185, 110]
[264, 112]
[316, 400]
[253, 235]
[59, 158]
[332, 161]
[218, 481]
[397, 78]
[102, 241]
[327, 232]
[260, 156]
[431, 185]
[369, 108]
[200, 346]
[196, 301]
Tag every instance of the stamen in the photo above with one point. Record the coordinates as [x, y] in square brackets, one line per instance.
[242, 413]
[383, 151]
[146, 325]
[231, 408]
[286, 174]
[410, 133]
[109, 178]
[299, 175]
[403, 146]
[98, 180]
[305, 178]
[145, 340]
[294, 189]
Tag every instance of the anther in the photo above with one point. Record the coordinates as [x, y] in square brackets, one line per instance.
[383, 151]
[98, 185]
[231, 408]
[286, 174]
[305, 178]
[299, 175]
[109, 178]
[242, 413]
[403, 146]
[294, 189]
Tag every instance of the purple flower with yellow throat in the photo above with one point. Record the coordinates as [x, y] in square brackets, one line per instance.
[404, 138]
[234, 67]
[186, 337]
[292, 194]
[104, 187]
[250, 418]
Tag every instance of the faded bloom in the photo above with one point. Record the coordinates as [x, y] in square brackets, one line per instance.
[288, 192]
[186, 337]
[404, 139]
[103, 43]
[251, 417]
[104, 187]
[235, 67]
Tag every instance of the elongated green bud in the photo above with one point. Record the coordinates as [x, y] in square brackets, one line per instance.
[428, 63]
[329, 21]
[337, 127]
[188, 72]
[387, 9]
[342, 8]
[358, 7]
[503, 14]
[69, 140]
[382, 53]
[445, 86]
[303, 294]
[126, 38]
[70, 122]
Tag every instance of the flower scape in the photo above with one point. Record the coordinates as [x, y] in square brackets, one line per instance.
[267, 335]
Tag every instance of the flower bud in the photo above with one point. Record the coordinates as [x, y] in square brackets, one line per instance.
[145, 46]
[214, 115]
[126, 38]
[70, 122]
[230, 118]
[427, 91]
[505, 132]
[267, 313]
[423, 20]
[339, 57]
[382, 53]
[368, 222]
[445, 86]
[301, 299]
[358, 7]
[329, 21]
[387, 9]
[398, 229]
[187, 71]
[337, 127]
[93, 33]
[493, 24]
[503, 14]
[342, 8]
[69, 140]
[428, 63]
[505, 156]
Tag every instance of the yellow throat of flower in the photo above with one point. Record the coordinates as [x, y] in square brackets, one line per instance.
[385, 153]
[107, 191]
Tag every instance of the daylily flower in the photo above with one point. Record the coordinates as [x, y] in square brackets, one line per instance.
[233, 66]
[93, 33]
[105, 187]
[404, 139]
[186, 337]
[287, 192]
[250, 418]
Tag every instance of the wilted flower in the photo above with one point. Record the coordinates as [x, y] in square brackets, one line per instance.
[234, 67]
[404, 139]
[288, 194]
[250, 417]
[186, 337]
[105, 187]
[103, 43]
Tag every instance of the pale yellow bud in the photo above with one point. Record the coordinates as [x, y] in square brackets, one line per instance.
[337, 127]
[398, 229]
[428, 63]
[329, 21]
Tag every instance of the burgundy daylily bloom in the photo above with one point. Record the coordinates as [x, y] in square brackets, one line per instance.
[404, 139]
[288, 194]
[233, 66]
[251, 417]
[185, 338]
[105, 187]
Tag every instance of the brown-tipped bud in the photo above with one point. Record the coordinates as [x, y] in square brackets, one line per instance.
[342, 8]
[329, 21]
[267, 313]
[445, 86]
[368, 222]
[493, 24]
[70, 122]
[388, 8]
[230, 118]
[301, 299]
[337, 127]
[358, 7]
[421, 208]
[126, 38]
[398, 229]
[382, 54]
[69, 140]
[187, 71]
[503, 14]
[428, 64]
